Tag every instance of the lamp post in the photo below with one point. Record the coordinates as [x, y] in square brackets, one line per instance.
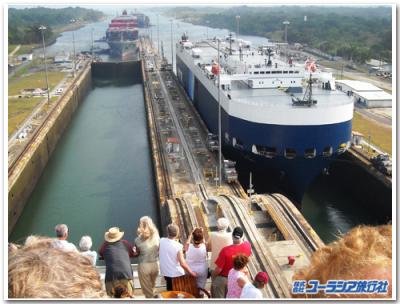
[219, 121]
[92, 46]
[73, 45]
[158, 35]
[237, 27]
[172, 49]
[42, 28]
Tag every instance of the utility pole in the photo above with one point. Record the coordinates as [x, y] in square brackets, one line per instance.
[73, 59]
[92, 46]
[237, 27]
[219, 120]
[158, 35]
[73, 44]
[42, 28]
[172, 49]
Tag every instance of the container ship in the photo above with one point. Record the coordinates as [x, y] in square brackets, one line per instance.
[122, 36]
[143, 21]
[284, 118]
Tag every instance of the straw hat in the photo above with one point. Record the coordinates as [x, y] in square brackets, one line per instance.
[113, 235]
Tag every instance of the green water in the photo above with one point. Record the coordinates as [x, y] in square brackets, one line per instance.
[100, 173]
[331, 211]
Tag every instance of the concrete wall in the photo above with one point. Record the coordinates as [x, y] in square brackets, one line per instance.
[365, 188]
[29, 169]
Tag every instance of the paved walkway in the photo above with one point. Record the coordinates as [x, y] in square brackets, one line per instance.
[15, 50]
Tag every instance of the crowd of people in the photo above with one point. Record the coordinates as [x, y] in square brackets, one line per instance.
[55, 268]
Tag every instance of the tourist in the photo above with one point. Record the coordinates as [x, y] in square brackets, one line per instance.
[116, 253]
[363, 253]
[218, 240]
[196, 256]
[224, 262]
[147, 245]
[38, 270]
[172, 261]
[62, 236]
[253, 290]
[238, 272]
[85, 244]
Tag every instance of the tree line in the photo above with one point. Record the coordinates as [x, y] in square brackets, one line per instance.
[354, 33]
[23, 24]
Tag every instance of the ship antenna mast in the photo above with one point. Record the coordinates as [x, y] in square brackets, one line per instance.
[307, 98]
[269, 52]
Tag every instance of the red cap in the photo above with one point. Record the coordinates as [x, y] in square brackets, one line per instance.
[262, 277]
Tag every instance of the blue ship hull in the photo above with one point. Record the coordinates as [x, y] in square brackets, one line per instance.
[296, 174]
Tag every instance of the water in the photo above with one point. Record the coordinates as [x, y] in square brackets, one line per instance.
[100, 173]
[327, 208]
[331, 211]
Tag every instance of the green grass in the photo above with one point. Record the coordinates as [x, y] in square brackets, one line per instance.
[24, 49]
[35, 80]
[11, 47]
[380, 136]
[20, 108]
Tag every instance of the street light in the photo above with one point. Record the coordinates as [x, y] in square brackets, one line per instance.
[73, 44]
[219, 121]
[42, 28]
[172, 49]
[92, 46]
[158, 35]
[237, 27]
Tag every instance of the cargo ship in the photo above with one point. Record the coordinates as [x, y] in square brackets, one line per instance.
[143, 21]
[122, 36]
[283, 118]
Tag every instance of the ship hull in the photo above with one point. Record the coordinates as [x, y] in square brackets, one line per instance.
[296, 174]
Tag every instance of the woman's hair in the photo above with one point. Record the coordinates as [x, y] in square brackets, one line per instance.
[147, 229]
[365, 252]
[85, 243]
[37, 270]
[197, 235]
[240, 261]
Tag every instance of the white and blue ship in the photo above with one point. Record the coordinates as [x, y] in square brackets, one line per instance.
[283, 117]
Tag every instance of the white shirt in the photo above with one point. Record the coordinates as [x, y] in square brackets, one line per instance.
[65, 245]
[249, 291]
[197, 257]
[91, 254]
[219, 240]
[169, 263]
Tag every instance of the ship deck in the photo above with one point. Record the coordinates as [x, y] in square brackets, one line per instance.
[240, 92]
[266, 97]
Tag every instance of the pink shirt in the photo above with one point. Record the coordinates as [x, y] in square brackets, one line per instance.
[234, 290]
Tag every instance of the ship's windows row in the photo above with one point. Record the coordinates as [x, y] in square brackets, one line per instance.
[274, 72]
[290, 153]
